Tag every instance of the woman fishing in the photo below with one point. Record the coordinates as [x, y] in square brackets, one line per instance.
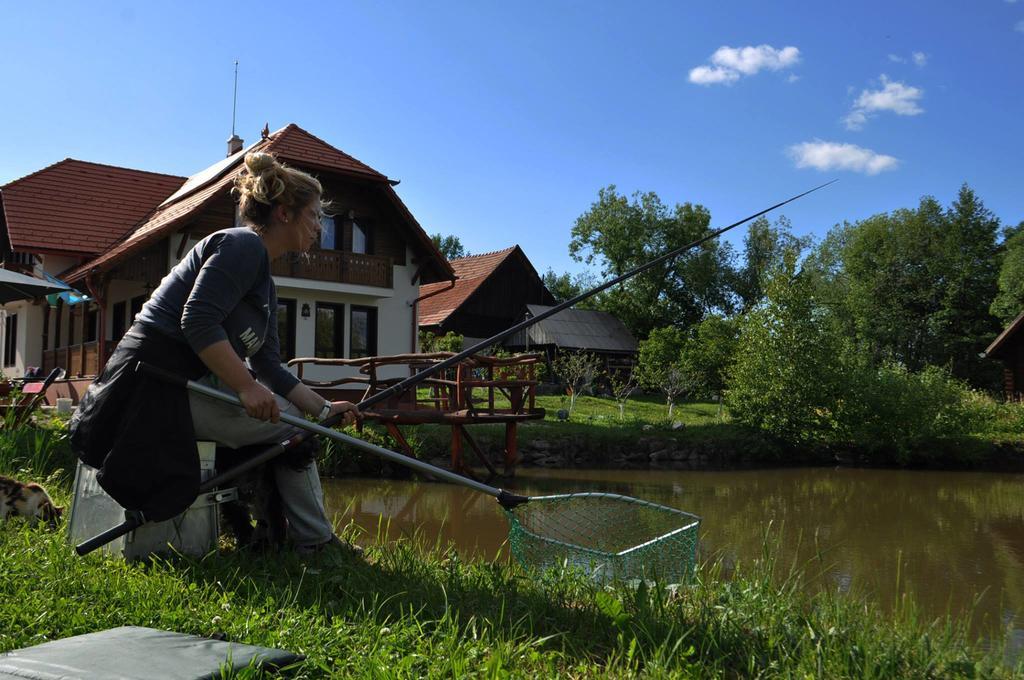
[213, 318]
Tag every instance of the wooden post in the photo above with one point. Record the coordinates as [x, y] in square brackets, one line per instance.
[46, 326]
[511, 452]
[457, 463]
[98, 288]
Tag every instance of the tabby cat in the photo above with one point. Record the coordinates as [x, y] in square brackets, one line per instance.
[28, 500]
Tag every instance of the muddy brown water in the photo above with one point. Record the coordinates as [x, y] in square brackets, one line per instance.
[951, 541]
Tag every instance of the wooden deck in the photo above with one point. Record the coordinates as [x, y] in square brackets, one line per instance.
[477, 391]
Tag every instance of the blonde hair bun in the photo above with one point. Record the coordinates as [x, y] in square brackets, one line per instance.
[265, 182]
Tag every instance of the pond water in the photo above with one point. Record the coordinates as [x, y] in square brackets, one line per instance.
[951, 541]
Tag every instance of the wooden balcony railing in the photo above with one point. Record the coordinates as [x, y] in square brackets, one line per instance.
[336, 266]
[76, 360]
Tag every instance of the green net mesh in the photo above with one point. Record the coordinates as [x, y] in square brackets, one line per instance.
[606, 535]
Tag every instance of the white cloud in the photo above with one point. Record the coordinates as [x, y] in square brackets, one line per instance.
[792, 78]
[897, 58]
[1019, 26]
[920, 58]
[729, 64]
[822, 155]
[894, 96]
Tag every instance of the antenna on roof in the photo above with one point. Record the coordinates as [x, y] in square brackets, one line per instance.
[235, 142]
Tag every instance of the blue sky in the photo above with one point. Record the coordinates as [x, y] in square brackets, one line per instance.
[502, 120]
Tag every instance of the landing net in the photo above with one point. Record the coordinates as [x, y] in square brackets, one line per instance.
[606, 535]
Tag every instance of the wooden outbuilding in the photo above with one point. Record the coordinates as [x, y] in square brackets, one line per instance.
[1008, 348]
[490, 294]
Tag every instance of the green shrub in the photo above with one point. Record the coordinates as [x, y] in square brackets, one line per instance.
[891, 409]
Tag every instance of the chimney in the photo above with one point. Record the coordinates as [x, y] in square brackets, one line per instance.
[234, 145]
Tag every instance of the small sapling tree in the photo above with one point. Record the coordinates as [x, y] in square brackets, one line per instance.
[622, 385]
[578, 370]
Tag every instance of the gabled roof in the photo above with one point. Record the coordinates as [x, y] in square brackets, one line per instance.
[472, 272]
[80, 208]
[288, 144]
[999, 344]
[293, 144]
[583, 329]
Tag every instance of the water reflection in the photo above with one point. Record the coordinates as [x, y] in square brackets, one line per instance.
[946, 539]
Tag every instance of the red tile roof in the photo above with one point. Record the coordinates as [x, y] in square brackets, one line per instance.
[80, 208]
[472, 272]
[288, 144]
[294, 144]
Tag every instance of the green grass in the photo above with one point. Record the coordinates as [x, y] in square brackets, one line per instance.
[409, 611]
[597, 421]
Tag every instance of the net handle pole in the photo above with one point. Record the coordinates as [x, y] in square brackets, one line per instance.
[484, 344]
[320, 429]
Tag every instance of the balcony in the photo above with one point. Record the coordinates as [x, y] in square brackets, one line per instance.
[337, 267]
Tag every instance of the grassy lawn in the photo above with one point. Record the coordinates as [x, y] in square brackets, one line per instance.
[405, 612]
[411, 611]
[597, 420]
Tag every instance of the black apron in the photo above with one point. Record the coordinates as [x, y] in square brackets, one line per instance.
[137, 430]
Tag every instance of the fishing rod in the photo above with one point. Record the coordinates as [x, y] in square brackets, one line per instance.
[134, 518]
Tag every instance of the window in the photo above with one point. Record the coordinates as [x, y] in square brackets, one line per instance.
[361, 241]
[330, 331]
[136, 305]
[117, 327]
[286, 328]
[327, 233]
[10, 339]
[363, 341]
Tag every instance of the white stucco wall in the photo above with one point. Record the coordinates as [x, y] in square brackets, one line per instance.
[394, 317]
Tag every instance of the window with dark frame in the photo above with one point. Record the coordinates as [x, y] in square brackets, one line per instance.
[362, 237]
[330, 331]
[329, 236]
[286, 328]
[363, 338]
[136, 305]
[118, 313]
[10, 339]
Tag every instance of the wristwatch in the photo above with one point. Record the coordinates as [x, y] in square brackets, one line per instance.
[325, 411]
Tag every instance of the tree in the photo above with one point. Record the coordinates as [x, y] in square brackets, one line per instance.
[707, 354]
[788, 379]
[1009, 301]
[621, 233]
[450, 246]
[566, 286]
[622, 384]
[660, 365]
[763, 249]
[964, 322]
[577, 370]
[914, 286]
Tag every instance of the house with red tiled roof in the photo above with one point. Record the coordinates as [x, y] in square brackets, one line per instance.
[113, 233]
[490, 294]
